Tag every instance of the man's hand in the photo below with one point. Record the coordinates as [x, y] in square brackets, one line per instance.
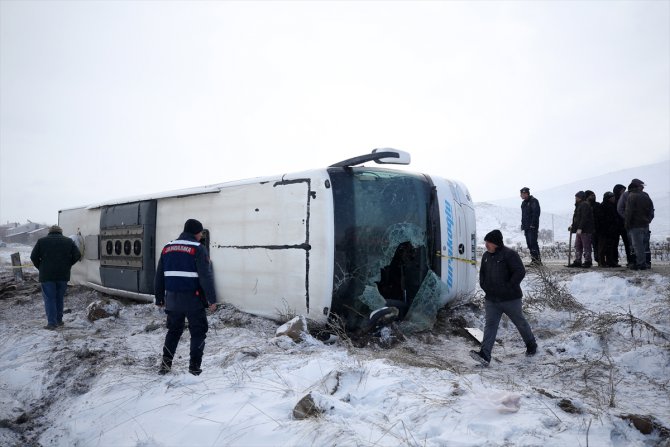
[579, 231]
[212, 307]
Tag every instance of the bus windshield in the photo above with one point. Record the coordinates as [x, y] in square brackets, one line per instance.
[385, 246]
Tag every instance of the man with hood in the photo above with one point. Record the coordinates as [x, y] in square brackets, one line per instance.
[184, 286]
[530, 222]
[54, 255]
[500, 277]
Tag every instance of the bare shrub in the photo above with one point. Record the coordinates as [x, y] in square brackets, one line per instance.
[547, 292]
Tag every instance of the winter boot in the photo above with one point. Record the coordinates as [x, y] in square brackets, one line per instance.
[531, 349]
[194, 366]
[576, 264]
[166, 365]
[587, 265]
[480, 357]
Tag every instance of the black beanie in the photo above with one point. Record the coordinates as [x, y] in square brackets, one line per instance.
[192, 226]
[581, 195]
[495, 237]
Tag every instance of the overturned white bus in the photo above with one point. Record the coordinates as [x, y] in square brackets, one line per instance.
[346, 239]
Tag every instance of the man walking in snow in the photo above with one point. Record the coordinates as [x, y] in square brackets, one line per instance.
[183, 275]
[530, 222]
[54, 255]
[500, 277]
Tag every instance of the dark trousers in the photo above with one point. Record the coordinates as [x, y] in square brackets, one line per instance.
[494, 311]
[53, 293]
[197, 326]
[531, 242]
[630, 256]
[608, 250]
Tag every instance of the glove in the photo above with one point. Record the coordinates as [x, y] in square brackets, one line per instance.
[570, 228]
[579, 231]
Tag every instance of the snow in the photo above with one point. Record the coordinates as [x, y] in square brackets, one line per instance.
[95, 383]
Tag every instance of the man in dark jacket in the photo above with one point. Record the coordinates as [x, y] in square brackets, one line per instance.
[530, 222]
[184, 285]
[583, 227]
[54, 255]
[500, 277]
[618, 191]
[595, 209]
[639, 214]
[607, 220]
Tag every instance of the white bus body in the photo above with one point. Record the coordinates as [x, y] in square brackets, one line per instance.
[343, 239]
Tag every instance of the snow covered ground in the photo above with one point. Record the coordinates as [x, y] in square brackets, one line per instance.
[604, 355]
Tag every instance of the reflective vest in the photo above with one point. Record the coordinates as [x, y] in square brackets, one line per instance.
[179, 267]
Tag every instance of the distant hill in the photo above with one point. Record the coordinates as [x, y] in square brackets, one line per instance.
[558, 204]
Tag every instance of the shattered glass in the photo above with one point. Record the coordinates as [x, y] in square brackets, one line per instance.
[384, 248]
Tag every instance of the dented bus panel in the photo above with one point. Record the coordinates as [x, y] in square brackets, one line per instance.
[346, 240]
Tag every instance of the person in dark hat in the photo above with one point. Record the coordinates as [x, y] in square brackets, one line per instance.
[54, 255]
[500, 277]
[621, 209]
[583, 227]
[530, 223]
[618, 191]
[607, 221]
[639, 214]
[184, 287]
[595, 209]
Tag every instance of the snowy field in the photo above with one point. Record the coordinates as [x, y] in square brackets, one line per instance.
[604, 357]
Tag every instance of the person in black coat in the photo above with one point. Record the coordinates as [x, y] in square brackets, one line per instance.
[618, 191]
[54, 255]
[184, 286]
[595, 208]
[530, 223]
[500, 276]
[583, 227]
[607, 220]
[639, 214]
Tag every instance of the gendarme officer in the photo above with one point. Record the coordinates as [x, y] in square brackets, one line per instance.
[184, 285]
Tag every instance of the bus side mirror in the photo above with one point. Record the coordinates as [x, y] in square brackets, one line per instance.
[395, 156]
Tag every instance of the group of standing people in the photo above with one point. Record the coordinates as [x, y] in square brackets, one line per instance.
[598, 226]
[624, 213]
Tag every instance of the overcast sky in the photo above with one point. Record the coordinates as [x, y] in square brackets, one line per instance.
[110, 99]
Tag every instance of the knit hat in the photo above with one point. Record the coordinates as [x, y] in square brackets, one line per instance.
[495, 237]
[588, 193]
[525, 189]
[55, 229]
[637, 182]
[581, 195]
[607, 195]
[618, 188]
[193, 226]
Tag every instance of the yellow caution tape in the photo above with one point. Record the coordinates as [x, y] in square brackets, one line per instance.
[469, 261]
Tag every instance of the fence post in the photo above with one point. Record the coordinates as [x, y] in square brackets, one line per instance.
[16, 266]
